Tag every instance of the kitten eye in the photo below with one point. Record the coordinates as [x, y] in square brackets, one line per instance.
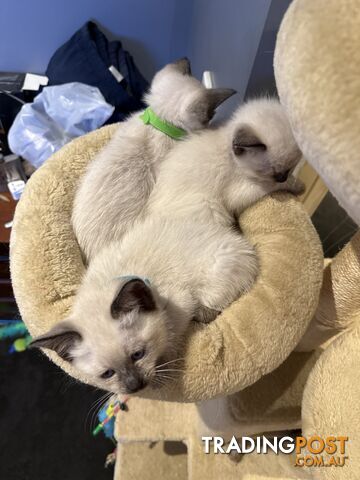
[240, 149]
[138, 355]
[108, 374]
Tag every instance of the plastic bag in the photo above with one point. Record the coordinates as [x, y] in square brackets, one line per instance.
[56, 116]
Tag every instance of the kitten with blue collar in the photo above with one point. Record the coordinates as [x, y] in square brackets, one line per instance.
[139, 295]
[184, 262]
[115, 188]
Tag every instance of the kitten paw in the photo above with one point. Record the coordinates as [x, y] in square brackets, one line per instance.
[294, 186]
[206, 314]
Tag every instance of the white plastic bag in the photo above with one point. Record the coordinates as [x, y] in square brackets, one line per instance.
[57, 115]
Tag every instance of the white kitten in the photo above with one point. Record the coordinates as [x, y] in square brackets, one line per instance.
[118, 182]
[216, 174]
[123, 329]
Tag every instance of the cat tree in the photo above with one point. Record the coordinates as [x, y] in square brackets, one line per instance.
[246, 353]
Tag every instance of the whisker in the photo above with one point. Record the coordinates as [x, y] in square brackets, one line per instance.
[170, 370]
[96, 412]
[94, 404]
[158, 380]
[93, 409]
[170, 361]
[165, 376]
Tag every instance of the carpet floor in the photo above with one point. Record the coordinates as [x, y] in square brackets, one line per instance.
[45, 425]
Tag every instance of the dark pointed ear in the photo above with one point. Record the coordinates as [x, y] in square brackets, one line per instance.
[246, 140]
[216, 96]
[135, 294]
[205, 106]
[62, 339]
[183, 66]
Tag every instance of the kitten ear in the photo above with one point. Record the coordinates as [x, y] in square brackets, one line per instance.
[205, 106]
[62, 339]
[134, 294]
[182, 66]
[216, 96]
[246, 140]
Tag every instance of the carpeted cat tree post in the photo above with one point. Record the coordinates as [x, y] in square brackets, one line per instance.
[246, 352]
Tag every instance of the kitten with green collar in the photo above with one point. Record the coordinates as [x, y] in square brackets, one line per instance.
[216, 174]
[115, 188]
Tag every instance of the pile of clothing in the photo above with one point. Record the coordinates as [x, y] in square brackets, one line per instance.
[90, 81]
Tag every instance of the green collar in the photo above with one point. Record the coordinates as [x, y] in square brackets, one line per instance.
[150, 117]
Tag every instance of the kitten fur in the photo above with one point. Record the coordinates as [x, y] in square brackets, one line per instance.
[216, 174]
[118, 182]
[193, 269]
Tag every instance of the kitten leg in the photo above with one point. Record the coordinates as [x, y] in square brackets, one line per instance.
[231, 268]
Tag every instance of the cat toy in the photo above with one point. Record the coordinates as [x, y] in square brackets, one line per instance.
[107, 415]
[13, 329]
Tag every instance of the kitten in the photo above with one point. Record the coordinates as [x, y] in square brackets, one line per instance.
[123, 329]
[118, 182]
[216, 174]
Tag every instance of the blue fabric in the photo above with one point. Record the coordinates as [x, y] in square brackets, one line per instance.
[86, 58]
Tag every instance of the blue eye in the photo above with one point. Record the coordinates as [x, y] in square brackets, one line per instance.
[108, 374]
[138, 355]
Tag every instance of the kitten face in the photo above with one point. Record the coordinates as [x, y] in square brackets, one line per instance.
[181, 99]
[119, 344]
[262, 140]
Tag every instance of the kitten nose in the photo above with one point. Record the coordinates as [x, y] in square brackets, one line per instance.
[134, 384]
[281, 177]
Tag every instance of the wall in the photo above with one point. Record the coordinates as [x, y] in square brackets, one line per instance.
[262, 77]
[32, 30]
[224, 38]
[220, 35]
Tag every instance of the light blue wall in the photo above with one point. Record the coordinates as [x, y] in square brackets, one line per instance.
[219, 35]
[32, 30]
[224, 38]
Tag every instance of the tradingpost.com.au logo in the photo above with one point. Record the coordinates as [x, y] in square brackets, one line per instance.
[314, 451]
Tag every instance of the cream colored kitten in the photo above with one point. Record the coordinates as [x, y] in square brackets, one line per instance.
[139, 295]
[118, 182]
[216, 174]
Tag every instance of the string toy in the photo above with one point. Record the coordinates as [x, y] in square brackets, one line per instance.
[15, 329]
[107, 415]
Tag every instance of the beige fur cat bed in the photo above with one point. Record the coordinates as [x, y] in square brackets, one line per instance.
[251, 338]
